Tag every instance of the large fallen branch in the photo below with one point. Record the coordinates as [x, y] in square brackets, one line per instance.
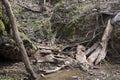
[98, 51]
[83, 59]
[95, 53]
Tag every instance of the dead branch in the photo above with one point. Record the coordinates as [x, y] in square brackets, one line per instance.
[98, 51]
[94, 55]
[91, 49]
[45, 51]
[49, 48]
[104, 42]
[52, 71]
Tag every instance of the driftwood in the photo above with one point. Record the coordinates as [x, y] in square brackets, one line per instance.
[53, 70]
[45, 51]
[39, 58]
[18, 39]
[93, 55]
[52, 48]
[104, 42]
[98, 51]
[83, 59]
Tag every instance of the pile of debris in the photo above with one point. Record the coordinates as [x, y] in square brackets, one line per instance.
[75, 55]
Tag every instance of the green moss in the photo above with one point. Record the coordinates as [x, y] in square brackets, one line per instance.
[11, 41]
[2, 28]
[16, 9]
[27, 42]
[3, 17]
[43, 29]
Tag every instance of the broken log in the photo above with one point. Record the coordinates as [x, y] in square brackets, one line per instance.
[91, 59]
[91, 49]
[53, 70]
[53, 48]
[104, 42]
[98, 54]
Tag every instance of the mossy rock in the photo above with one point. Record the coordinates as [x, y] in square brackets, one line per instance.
[10, 50]
[27, 41]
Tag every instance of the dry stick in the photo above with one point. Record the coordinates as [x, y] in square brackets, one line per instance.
[18, 39]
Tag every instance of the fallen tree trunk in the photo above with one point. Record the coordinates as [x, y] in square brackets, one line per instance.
[98, 51]
[95, 53]
[17, 38]
[104, 42]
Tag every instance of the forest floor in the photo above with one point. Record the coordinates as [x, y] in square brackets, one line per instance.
[16, 71]
[13, 70]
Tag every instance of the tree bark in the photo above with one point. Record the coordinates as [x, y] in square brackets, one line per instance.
[18, 39]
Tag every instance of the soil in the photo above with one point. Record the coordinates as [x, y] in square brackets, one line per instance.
[10, 70]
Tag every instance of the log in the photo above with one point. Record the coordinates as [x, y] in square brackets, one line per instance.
[98, 51]
[91, 59]
[53, 70]
[104, 42]
[53, 48]
[18, 39]
[91, 49]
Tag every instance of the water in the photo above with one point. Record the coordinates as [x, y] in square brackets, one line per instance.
[64, 75]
